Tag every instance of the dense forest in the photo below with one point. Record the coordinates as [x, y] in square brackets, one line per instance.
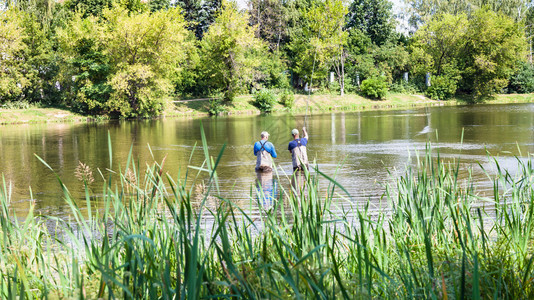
[130, 57]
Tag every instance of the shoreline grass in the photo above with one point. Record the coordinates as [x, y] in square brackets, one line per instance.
[318, 103]
[38, 115]
[152, 241]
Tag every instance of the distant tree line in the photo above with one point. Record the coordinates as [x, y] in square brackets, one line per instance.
[129, 57]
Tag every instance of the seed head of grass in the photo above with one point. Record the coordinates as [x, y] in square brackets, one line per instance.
[84, 173]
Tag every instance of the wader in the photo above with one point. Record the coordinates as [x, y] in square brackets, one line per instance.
[264, 161]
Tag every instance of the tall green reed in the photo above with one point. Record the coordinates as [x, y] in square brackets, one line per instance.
[150, 238]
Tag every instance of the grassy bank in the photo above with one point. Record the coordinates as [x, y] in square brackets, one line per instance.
[156, 239]
[38, 115]
[243, 105]
[326, 103]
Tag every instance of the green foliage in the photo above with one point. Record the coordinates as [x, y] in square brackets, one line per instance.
[420, 11]
[23, 104]
[216, 106]
[127, 64]
[374, 18]
[199, 14]
[403, 87]
[155, 5]
[138, 92]
[264, 100]
[273, 72]
[523, 80]
[319, 44]
[89, 7]
[483, 50]
[87, 65]
[287, 99]
[25, 58]
[439, 43]
[442, 88]
[270, 19]
[374, 87]
[12, 47]
[494, 45]
[229, 53]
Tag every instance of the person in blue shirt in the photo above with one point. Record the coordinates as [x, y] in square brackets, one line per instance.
[297, 148]
[265, 153]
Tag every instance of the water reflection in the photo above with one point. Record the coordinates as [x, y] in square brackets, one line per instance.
[267, 190]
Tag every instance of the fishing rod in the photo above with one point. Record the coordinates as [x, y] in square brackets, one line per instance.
[311, 84]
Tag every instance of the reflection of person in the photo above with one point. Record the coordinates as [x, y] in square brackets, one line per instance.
[265, 153]
[267, 188]
[297, 147]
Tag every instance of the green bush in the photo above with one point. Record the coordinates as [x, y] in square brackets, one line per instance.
[287, 99]
[403, 87]
[264, 100]
[374, 88]
[523, 80]
[23, 104]
[442, 87]
[216, 106]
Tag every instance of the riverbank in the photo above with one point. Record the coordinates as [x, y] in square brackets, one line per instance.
[38, 115]
[242, 105]
[326, 103]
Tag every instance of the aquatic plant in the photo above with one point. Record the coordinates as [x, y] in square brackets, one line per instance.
[437, 238]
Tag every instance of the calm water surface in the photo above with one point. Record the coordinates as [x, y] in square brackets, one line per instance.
[358, 147]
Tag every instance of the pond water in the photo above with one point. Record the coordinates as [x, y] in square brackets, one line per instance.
[358, 147]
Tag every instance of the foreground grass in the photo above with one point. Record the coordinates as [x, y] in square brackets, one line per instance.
[326, 102]
[153, 240]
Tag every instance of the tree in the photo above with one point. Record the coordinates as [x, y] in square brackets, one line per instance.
[199, 14]
[229, 52]
[320, 45]
[127, 63]
[372, 17]
[86, 65]
[89, 7]
[442, 39]
[494, 46]
[421, 11]
[270, 20]
[12, 48]
[477, 54]
[155, 5]
[26, 58]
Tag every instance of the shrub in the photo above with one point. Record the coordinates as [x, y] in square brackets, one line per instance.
[264, 100]
[287, 99]
[216, 106]
[374, 88]
[23, 104]
[442, 87]
[523, 80]
[403, 87]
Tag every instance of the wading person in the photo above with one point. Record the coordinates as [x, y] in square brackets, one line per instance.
[297, 147]
[265, 153]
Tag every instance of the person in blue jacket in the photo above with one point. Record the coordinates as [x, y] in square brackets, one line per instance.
[297, 148]
[265, 153]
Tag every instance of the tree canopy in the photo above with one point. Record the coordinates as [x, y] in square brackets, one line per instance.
[131, 57]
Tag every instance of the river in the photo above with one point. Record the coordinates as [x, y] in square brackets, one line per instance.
[357, 148]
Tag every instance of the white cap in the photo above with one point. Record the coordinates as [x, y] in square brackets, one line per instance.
[295, 131]
[264, 134]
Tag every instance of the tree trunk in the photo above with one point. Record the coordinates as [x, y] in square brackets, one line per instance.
[342, 77]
